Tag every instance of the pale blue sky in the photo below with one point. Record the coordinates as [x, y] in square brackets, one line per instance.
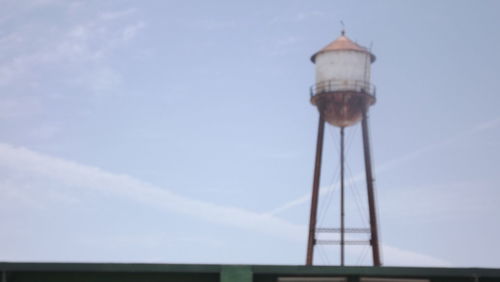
[181, 131]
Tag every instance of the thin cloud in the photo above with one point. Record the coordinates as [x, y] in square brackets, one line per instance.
[298, 18]
[387, 166]
[448, 201]
[86, 44]
[86, 177]
[73, 175]
[487, 125]
[113, 15]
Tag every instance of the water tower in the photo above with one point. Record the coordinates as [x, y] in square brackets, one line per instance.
[343, 95]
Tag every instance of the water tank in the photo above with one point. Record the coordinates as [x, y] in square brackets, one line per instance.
[342, 88]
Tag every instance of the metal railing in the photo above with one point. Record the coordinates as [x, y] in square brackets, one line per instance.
[335, 85]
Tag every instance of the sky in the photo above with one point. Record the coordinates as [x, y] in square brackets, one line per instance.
[182, 132]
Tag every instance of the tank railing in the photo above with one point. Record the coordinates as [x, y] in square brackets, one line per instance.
[342, 85]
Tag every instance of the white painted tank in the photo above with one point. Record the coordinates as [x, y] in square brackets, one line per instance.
[342, 90]
[343, 64]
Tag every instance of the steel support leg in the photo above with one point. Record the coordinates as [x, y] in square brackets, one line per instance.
[342, 209]
[315, 191]
[369, 186]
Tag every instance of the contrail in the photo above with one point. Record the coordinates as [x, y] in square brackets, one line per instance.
[76, 176]
[394, 163]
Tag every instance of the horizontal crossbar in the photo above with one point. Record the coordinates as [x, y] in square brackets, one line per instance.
[346, 230]
[337, 242]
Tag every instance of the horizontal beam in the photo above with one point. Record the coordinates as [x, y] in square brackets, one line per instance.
[346, 230]
[337, 242]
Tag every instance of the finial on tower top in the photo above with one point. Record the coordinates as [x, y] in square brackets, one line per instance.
[342, 32]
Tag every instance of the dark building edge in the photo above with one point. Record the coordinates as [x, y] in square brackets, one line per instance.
[26, 271]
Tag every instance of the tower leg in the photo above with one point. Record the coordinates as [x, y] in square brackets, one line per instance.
[342, 209]
[369, 186]
[315, 191]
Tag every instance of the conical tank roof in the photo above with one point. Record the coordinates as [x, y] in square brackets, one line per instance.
[343, 43]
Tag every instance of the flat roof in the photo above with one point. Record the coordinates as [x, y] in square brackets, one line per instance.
[26, 271]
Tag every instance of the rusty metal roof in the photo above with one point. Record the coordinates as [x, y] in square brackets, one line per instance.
[343, 43]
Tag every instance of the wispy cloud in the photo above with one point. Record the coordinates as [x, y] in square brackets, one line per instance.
[437, 201]
[392, 164]
[86, 43]
[113, 15]
[36, 3]
[212, 24]
[75, 176]
[86, 177]
[300, 17]
[486, 125]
